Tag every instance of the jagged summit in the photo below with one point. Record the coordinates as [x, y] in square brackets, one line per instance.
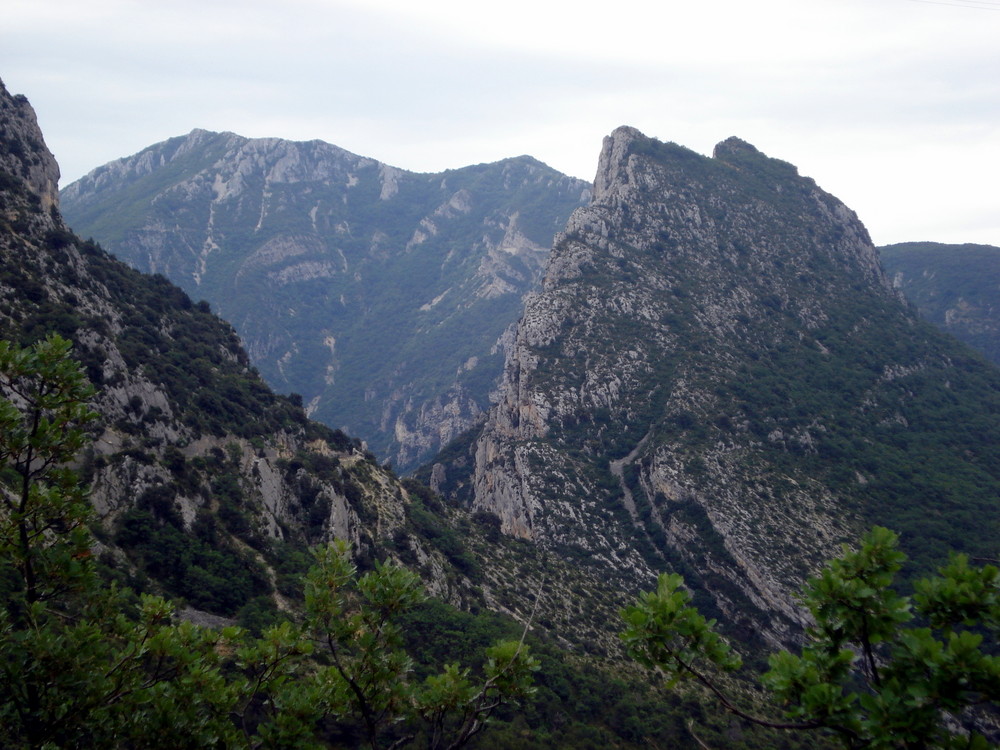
[626, 149]
[733, 146]
[23, 151]
[634, 167]
[612, 165]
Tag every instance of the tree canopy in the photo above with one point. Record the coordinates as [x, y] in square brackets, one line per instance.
[878, 670]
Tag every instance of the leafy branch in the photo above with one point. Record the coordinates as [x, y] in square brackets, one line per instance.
[866, 673]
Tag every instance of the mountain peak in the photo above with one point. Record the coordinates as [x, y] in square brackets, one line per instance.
[702, 319]
[23, 151]
[733, 145]
[297, 241]
[612, 166]
[755, 164]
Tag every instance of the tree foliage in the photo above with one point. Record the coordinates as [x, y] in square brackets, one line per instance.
[74, 669]
[878, 670]
[358, 672]
[83, 663]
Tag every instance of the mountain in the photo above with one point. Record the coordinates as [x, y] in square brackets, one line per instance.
[717, 376]
[379, 295]
[207, 485]
[955, 287]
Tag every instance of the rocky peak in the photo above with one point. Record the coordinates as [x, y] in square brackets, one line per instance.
[674, 393]
[612, 166]
[309, 249]
[23, 151]
[733, 146]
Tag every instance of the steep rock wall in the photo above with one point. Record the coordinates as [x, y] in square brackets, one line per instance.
[709, 336]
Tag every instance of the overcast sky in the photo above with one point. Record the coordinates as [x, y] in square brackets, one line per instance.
[891, 105]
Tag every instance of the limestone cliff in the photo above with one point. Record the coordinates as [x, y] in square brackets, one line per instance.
[22, 149]
[717, 376]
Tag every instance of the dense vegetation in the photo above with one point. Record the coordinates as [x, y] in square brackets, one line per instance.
[878, 670]
[83, 665]
[919, 440]
[130, 674]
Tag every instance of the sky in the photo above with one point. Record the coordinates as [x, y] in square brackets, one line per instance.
[891, 105]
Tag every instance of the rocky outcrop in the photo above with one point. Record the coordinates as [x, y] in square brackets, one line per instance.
[23, 151]
[437, 423]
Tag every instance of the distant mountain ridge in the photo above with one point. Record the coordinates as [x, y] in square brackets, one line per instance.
[715, 366]
[379, 295]
[208, 486]
[956, 287]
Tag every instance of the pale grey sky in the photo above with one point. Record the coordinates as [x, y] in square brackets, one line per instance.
[892, 105]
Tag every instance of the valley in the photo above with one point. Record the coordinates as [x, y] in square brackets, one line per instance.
[696, 365]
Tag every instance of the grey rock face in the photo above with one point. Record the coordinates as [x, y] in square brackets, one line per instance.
[23, 151]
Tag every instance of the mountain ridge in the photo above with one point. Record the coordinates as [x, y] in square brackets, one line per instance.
[712, 379]
[204, 482]
[208, 486]
[308, 249]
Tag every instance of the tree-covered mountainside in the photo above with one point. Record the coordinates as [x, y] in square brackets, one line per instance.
[207, 485]
[876, 669]
[717, 378]
[955, 287]
[379, 295]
